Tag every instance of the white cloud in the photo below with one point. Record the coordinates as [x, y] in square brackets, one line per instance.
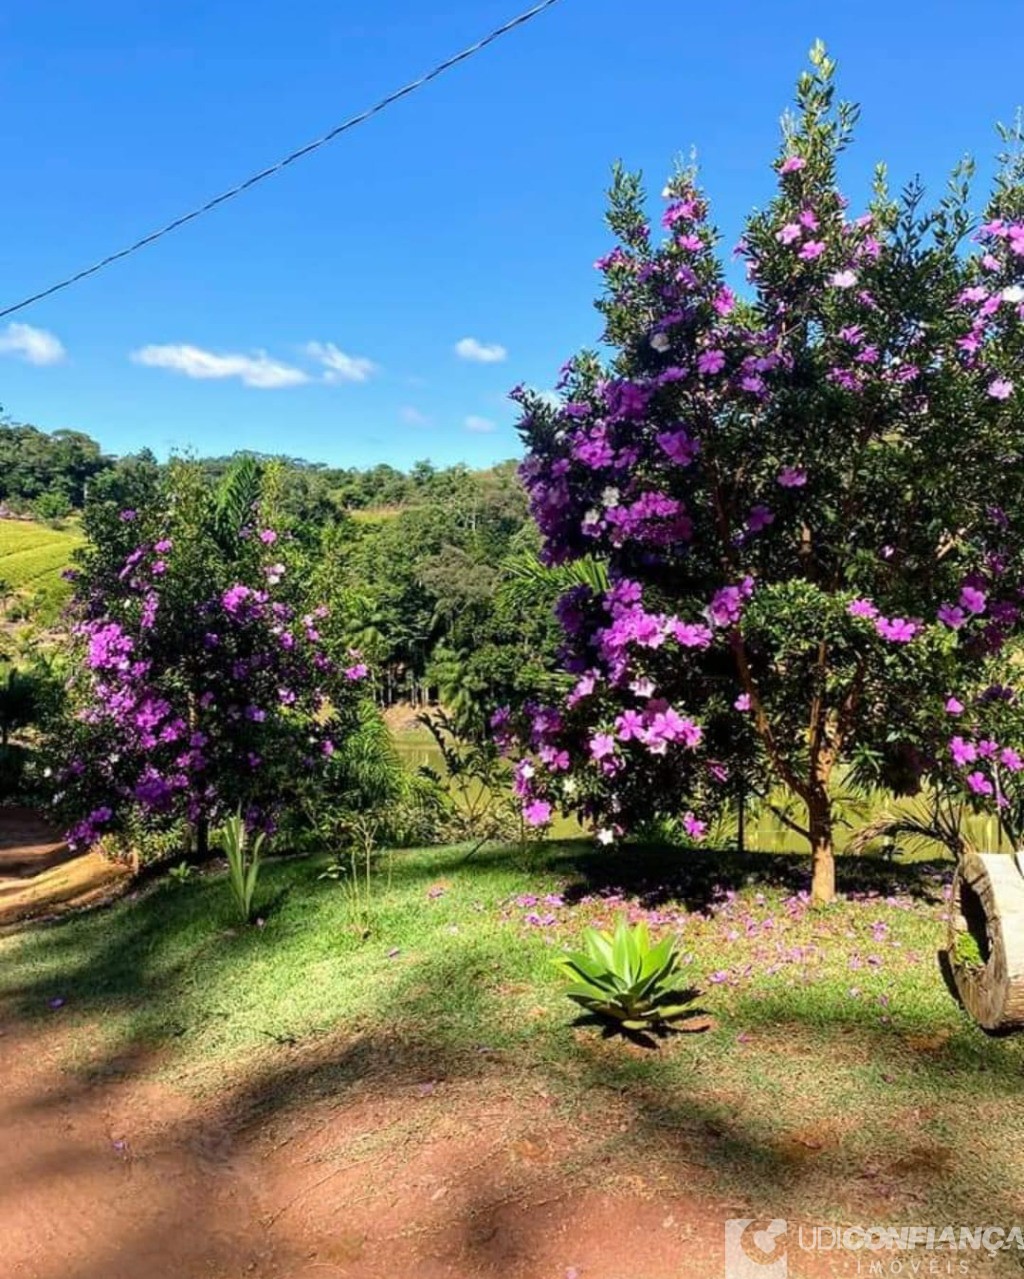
[34, 346]
[413, 416]
[480, 352]
[256, 370]
[482, 425]
[339, 367]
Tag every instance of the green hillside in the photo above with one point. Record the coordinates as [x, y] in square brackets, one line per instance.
[32, 557]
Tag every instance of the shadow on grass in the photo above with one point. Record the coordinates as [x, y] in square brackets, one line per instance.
[696, 877]
[436, 1022]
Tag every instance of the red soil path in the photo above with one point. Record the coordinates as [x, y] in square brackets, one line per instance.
[41, 877]
[109, 1171]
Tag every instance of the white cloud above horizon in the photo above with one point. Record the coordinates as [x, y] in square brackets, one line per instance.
[339, 367]
[33, 346]
[257, 370]
[480, 352]
[480, 425]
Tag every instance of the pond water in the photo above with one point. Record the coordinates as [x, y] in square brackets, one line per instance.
[765, 832]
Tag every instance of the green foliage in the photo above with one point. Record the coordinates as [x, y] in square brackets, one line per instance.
[476, 782]
[49, 472]
[967, 952]
[13, 764]
[243, 863]
[623, 978]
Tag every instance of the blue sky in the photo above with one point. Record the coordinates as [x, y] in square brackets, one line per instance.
[469, 213]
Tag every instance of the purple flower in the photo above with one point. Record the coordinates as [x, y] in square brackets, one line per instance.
[128, 516]
[537, 812]
[268, 537]
[602, 745]
[792, 477]
[951, 616]
[953, 707]
[679, 446]
[759, 518]
[862, 608]
[811, 250]
[973, 600]
[979, 784]
[963, 752]
[897, 629]
[694, 828]
[742, 703]
[792, 164]
[711, 361]
[630, 725]
[1000, 389]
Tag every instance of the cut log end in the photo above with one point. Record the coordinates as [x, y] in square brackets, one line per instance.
[986, 940]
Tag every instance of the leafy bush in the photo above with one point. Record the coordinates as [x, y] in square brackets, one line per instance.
[625, 979]
[480, 807]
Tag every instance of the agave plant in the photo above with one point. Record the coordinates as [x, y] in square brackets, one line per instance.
[622, 977]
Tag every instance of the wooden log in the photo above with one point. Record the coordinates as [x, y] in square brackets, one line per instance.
[988, 906]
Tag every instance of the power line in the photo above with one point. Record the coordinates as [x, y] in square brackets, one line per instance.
[350, 123]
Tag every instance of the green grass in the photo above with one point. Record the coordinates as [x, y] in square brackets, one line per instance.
[839, 1068]
[32, 557]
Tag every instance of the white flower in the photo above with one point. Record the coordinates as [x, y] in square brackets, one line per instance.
[592, 517]
[660, 341]
[843, 280]
[610, 497]
[666, 193]
[570, 786]
[1013, 293]
[47, 772]
[642, 687]
[526, 770]
[605, 836]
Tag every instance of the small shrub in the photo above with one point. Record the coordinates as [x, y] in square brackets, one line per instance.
[243, 864]
[622, 977]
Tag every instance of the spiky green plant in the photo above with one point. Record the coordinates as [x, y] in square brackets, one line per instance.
[243, 863]
[623, 977]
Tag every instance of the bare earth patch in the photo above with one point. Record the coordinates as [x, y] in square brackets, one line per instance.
[319, 1163]
[39, 875]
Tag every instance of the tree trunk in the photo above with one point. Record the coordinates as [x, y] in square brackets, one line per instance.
[823, 863]
[199, 850]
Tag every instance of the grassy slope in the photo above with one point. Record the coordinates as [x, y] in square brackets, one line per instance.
[840, 1072]
[33, 555]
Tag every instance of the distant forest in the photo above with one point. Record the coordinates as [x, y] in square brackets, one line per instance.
[431, 573]
[49, 474]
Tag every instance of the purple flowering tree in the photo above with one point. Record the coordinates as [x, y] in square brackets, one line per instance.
[199, 684]
[807, 494]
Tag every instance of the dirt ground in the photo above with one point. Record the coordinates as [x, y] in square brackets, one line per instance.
[110, 1170]
[41, 877]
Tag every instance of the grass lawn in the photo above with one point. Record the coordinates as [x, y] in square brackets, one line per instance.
[838, 1080]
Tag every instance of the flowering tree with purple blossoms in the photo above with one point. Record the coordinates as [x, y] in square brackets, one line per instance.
[808, 494]
[199, 686]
